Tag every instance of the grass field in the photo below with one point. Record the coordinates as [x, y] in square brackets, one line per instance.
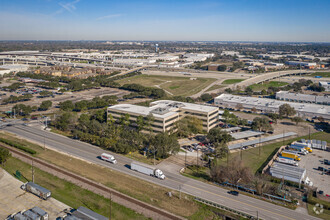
[142, 190]
[323, 74]
[182, 86]
[215, 87]
[266, 85]
[70, 194]
[254, 161]
[231, 81]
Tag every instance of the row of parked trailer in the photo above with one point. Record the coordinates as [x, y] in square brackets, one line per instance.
[35, 213]
[283, 167]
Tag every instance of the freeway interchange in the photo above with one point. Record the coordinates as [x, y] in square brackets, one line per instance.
[174, 180]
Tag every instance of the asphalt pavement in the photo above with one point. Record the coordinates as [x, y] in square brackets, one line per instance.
[90, 153]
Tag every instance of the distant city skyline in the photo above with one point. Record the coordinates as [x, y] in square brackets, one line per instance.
[170, 20]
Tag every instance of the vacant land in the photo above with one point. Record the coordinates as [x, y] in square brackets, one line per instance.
[266, 85]
[231, 81]
[323, 74]
[142, 190]
[71, 194]
[182, 86]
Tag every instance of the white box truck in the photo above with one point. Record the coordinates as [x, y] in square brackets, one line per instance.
[147, 170]
[109, 158]
[287, 161]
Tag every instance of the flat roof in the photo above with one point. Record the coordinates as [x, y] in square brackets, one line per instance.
[273, 103]
[262, 140]
[162, 108]
[232, 129]
[141, 110]
[245, 134]
[186, 105]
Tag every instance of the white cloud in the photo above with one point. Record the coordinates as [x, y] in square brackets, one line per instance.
[108, 16]
[70, 7]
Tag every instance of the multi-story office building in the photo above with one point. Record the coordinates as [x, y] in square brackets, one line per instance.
[165, 113]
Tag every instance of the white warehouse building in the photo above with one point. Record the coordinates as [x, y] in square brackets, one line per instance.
[302, 98]
[272, 105]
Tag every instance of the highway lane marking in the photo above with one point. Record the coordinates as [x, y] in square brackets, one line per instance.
[171, 179]
[234, 200]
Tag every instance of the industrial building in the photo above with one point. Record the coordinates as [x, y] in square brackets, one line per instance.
[302, 98]
[301, 64]
[272, 105]
[325, 85]
[288, 172]
[166, 112]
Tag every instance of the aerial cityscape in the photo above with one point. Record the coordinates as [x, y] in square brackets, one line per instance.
[164, 110]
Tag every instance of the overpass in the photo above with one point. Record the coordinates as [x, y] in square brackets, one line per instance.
[268, 76]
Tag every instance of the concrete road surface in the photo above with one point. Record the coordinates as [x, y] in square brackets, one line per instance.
[174, 180]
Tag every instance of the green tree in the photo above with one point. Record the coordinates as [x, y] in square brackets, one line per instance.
[286, 110]
[249, 91]
[66, 105]
[216, 135]
[65, 122]
[124, 120]
[297, 120]
[45, 93]
[22, 109]
[140, 123]
[261, 124]
[4, 155]
[206, 97]
[221, 149]
[189, 125]
[274, 117]
[45, 105]
[165, 145]
[222, 68]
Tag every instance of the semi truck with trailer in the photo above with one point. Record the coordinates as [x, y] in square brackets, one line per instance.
[298, 149]
[286, 160]
[108, 157]
[147, 170]
[36, 190]
[290, 154]
[307, 146]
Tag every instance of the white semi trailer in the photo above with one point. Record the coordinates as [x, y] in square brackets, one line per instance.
[147, 170]
[289, 161]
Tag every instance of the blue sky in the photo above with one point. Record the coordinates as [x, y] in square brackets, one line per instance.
[191, 20]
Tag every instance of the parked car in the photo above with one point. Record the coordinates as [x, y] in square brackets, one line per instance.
[234, 192]
[320, 168]
[326, 162]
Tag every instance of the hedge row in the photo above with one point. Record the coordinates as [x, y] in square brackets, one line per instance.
[18, 146]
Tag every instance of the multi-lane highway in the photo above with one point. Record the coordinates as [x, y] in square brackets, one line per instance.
[174, 180]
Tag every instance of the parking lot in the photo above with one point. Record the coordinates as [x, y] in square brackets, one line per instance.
[311, 162]
[13, 199]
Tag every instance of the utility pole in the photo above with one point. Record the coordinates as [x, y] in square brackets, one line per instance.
[154, 156]
[180, 190]
[283, 137]
[110, 205]
[309, 132]
[197, 157]
[185, 159]
[32, 172]
[259, 144]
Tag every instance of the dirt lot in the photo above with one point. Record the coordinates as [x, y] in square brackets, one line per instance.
[13, 199]
[311, 162]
